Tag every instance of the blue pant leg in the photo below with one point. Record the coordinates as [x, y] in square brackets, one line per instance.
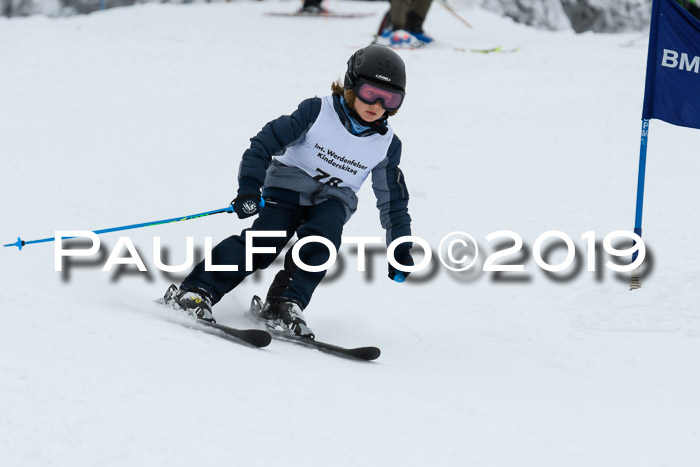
[325, 220]
[278, 216]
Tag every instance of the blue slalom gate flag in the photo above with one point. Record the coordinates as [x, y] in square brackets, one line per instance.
[672, 91]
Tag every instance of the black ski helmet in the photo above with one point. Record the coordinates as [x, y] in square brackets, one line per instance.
[377, 63]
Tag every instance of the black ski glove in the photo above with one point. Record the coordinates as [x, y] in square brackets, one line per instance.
[246, 205]
[403, 256]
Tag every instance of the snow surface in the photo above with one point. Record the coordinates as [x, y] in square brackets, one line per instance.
[142, 113]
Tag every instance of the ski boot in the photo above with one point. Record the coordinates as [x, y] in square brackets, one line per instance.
[313, 8]
[286, 315]
[196, 303]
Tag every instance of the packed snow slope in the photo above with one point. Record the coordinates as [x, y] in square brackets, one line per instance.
[142, 113]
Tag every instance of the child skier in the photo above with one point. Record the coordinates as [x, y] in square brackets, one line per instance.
[323, 152]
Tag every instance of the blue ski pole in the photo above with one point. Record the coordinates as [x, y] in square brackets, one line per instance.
[20, 243]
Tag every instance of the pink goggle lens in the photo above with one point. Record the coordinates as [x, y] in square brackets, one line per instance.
[370, 94]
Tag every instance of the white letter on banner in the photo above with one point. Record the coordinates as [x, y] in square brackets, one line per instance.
[164, 267]
[133, 259]
[670, 59]
[409, 238]
[361, 242]
[688, 65]
[59, 252]
[207, 260]
[332, 254]
[250, 249]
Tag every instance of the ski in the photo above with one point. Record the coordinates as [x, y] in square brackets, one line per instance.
[254, 337]
[329, 14]
[360, 353]
[436, 44]
[497, 49]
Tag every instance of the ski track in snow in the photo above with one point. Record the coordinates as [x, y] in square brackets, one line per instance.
[142, 113]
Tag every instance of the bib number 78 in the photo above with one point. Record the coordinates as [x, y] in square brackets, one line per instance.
[332, 181]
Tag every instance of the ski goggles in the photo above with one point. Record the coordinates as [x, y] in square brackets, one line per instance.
[371, 93]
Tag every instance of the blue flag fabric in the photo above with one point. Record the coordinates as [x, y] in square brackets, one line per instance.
[672, 91]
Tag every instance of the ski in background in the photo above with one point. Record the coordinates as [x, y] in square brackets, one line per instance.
[497, 49]
[437, 44]
[329, 14]
[317, 11]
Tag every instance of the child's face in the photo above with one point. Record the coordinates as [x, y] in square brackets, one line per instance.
[369, 113]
